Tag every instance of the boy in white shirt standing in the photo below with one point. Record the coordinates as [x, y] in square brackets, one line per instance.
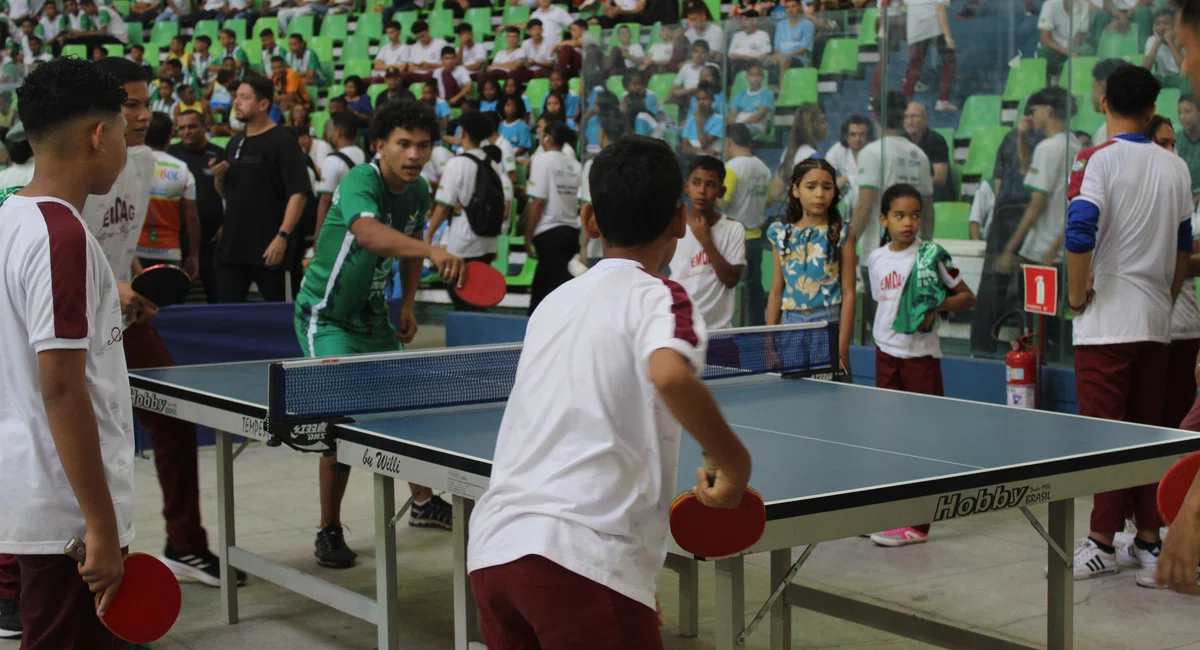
[708, 261]
[68, 423]
[553, 222]
[568, 540]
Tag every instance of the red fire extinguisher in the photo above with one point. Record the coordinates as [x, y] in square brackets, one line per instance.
[1021, 366]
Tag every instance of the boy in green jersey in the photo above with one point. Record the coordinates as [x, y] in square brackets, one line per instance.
[378, 213]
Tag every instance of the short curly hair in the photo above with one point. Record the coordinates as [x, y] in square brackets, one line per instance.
[66, 89]
[407, 115]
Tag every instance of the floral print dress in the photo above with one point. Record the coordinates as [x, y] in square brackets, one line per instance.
[811, 271]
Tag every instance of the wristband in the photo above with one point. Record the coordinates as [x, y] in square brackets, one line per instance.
[283, 233]
[1087, 301]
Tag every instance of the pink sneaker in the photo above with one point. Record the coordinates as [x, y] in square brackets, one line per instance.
[900, 537]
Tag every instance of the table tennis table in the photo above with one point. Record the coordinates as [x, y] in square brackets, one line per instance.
[832, 460]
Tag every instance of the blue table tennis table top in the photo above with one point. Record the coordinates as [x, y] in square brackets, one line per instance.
[815, 445]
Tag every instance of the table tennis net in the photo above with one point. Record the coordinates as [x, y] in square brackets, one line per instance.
[318, 389]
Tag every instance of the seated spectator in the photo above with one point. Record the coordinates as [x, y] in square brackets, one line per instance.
[607, 108]
[220, 95]
[916, 127]
[793, 39]
[570, 51]
[748, 46]
[393, 53]
[928, 23]
[490, 96]
[509, 61]
[140, 11]
[36, 53]
[395, 90]
[1064, 32]
[753, 106]
[108, 26]
[688, 77]
[189, 102]
[177, 51]
[514, 128]
[662, 55]
[537, 52]
[856, 133]
[173, 70]
[621, 11]
[209, 10]
[236, 9]
[20, 158]
[1163, 54]
[809, 128]
[299, 8]
[289, 86]
[743, 8]
[337, 105]
[273, 8]
[231, 49]
[640, 106]
[555, 108]
[712, 76]
[299, 117]
[441, 108]
[705, 129]
[1187, 139]
[137, 54]
[357, 101]
[624, 54]
[702, 28]
[1119, 16]
[51, 23]
[304, 61]
[469, 54]
[514, 88]
[174, 11]
[424, 55]
[561, 85]
[166, 100]
[204, 66]
[453, 81]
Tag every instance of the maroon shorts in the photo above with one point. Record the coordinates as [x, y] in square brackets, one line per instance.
[535, 603]
[920, 375]
[1181, 381]
[1123, 381]
[58, 612]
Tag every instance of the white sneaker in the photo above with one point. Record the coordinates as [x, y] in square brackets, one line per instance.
[943, 106]
[921, 87]
[1091, 562]
[1125, 537]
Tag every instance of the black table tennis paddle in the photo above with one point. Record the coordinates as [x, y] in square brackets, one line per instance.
[163, 284]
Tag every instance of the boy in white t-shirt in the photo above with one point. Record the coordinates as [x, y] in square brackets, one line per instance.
[552, 225]
[567, 542]
[708, 261]
[67, 424]
[1163, 53]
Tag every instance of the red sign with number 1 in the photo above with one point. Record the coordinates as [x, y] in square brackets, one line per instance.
[1041, 289]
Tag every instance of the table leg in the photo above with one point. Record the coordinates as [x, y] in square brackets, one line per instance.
[689, 598]
[1060, 579]
[386, 596]
[730, 601]
[226, 535]
[781, 611]
[466, 616]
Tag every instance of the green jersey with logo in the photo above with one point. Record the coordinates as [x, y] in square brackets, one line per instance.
[344, 284]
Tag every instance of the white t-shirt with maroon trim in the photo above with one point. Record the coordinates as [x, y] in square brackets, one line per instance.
[116, 219]
[888, 271]
[691, 268]
[59, 294]
[586, 459]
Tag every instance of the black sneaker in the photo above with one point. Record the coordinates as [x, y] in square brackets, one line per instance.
[436, 513]
[332, 551]
[203, 567]
[10, 619]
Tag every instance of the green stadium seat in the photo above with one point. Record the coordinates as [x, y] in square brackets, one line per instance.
[740, 83]
[866, 34]
[335, 27]
[956, 174]
[979, 111]
[574, 84]
[163, 32]
[1167, 105]
[153, 55]
[525, 277]
[75, 50]
[417, 88]
[635, 30]
[798, 87]
[441, 24]
[501, 261]
[672, 111]
[1086, 118]
[480, 20]
[136, 32]
[616, 84]
[1118, 45]
[1028, 77]
[302, 25]
[660, 84]
[237, 26]
[515, 15]
[318, 120]
[951, 220]
[209, 28]
[1081, 74]
[115, 49]
[536, 92]
[265, 23]
[358, 67]
[253, 49]
[947, 135]
[374, 90]
[322, 46]
[371, 25]
[840, 57]
[357, 47]
[981, 157]
[221, 141]
[122, 7]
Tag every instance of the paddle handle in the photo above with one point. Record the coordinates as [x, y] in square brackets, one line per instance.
[710, 466]
[76, 550]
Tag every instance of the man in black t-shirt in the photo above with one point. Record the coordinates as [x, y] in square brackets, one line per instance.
[197, 152]
[916, 126]
[265, 184]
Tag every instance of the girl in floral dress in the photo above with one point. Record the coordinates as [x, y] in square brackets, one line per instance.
[814, 256]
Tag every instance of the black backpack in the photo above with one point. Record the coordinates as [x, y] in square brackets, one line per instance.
[485, 212]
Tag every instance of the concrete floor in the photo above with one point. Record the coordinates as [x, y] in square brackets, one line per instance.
[981, 572]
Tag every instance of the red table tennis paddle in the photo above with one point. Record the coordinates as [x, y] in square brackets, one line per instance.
[482, 285]
[710, 532]
[1175, 485]
[147, 601]
[163, 284]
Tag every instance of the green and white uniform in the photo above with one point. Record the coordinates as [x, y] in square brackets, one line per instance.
[341, 307]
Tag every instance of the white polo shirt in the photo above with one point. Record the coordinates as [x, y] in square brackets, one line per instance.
[587, 454]
[538, 54]
[883, 163]
[1048, 175]
[713, 35]
[472, 55]
[509, 56]
[691, 268]
[392, 55]
[59, 294]
[757, 45]
[554, 177]
[456, 189]
[459, 74]
[1139, 193]
[432, 53]
[334, 169]
[554, 21]
[116, 219]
